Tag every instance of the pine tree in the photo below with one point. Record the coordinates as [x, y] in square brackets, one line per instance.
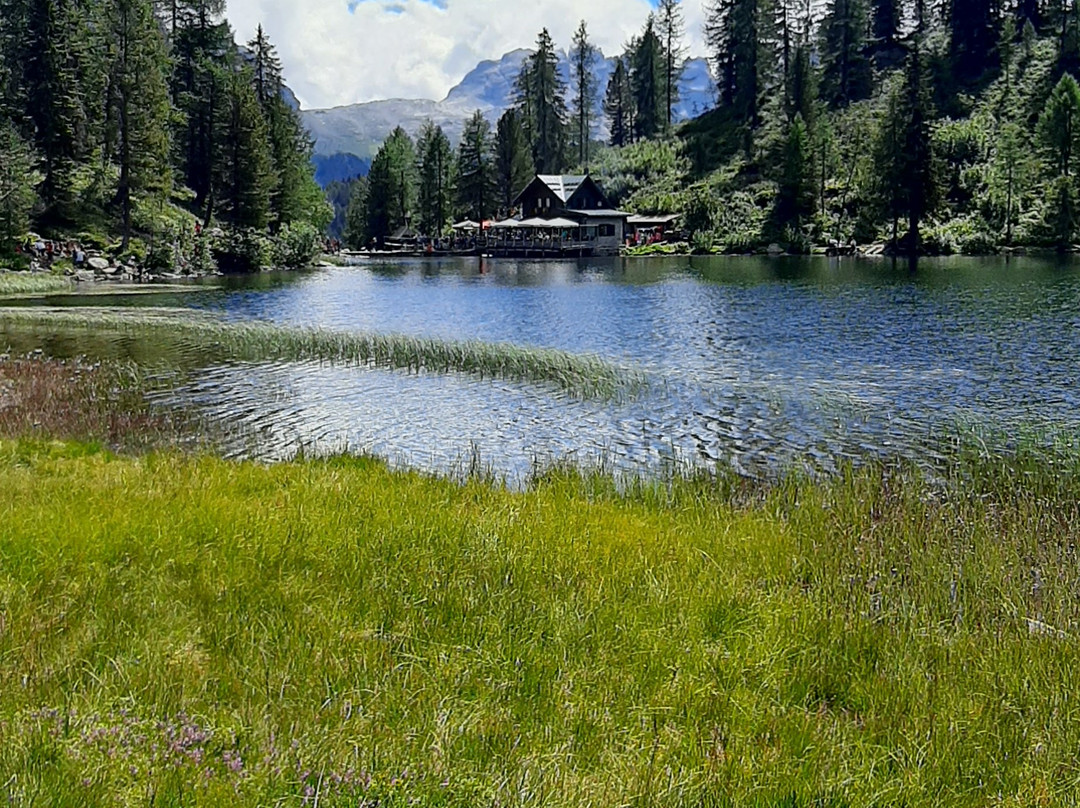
[795, 197]
[670, 29]
[540, 95]
[138, 104]
[1059, 128]
[619, 105]
[476, 169]
[734, 31]
[885, 20]
[243, 168]
[582, 73]
[973, 33]
[18, 176]
[48, 84]
[391, 197]
[265, 68]
[355, 233]
[513, 164]
[647, 83]
[919, 187]
[889, 161]
[203, 58]
[436, 186]
[845, 75]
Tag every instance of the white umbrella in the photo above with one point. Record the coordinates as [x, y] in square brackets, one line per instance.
[468, 224]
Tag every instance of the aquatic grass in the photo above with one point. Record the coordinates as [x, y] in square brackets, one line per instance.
[93, 402]
[26, 283]
[186, 630]
[192, 332]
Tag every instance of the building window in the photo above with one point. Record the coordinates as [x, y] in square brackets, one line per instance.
[606, 230]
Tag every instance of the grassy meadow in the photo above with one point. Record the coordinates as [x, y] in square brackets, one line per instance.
[184, 630]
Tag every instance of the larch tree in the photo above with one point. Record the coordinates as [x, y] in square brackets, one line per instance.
[391, 192]
[138, 105]
[845, 74]
[540, 98]
[583, 57]
[18, 176]
[735, 32]
[513, 163]
[436, 185]
[243, 169]
[619, 105]
[671, 29]
[647, 82]
[476, 169]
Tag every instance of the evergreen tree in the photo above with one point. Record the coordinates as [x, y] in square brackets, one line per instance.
[18, 176]
[265, 68]
[1059, 128]
[889, 162]
[973, 34]
[1009, 175]
[582, 73]
[734, 31]
[802, 95]
[391, 193]
[436, 190]
[919, 187]
[355, 232]
[46, 81]
[845, 75]
[885, 20]
[203, 55]
[670, 29]
[138, 105]
[243, 171]
[476, 169]
[513, 164]
[647, 83]
[540, 99]
[619, 105]
[795, 197]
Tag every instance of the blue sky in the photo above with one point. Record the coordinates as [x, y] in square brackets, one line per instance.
[345, 51]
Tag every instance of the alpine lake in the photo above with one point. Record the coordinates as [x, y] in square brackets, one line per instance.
[759, 364]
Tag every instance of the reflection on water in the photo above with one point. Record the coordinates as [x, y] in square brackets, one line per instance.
[758, 363]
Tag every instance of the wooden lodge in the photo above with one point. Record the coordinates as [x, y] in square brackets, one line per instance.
[561, 215]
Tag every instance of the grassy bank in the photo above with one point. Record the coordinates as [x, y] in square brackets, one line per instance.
[189, 631]
[181, 332]
[25, 283]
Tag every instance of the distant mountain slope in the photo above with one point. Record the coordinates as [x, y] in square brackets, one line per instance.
[359, 129]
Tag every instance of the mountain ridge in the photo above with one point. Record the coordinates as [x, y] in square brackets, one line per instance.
[357, 130]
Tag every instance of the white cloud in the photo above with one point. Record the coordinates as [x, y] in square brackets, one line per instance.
[420, 49]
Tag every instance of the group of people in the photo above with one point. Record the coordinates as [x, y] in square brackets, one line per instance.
[48, 250]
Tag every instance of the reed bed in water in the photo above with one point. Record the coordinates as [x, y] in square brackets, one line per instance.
[184, 630]
[79, 400]
[26, 283]
[250, 341]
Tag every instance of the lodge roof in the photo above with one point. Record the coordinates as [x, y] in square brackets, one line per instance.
[562, 185]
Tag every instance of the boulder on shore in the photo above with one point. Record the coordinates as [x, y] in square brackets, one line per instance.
[97, 264]
[84, 276]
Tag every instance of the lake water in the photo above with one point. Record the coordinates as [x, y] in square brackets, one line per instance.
[756, 363]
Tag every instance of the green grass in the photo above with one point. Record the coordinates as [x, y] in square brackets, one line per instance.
[210, 337]
[25, 283]
[189, 631]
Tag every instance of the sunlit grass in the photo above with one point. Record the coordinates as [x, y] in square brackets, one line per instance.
[26, 283]
[251, 341]
[188, 631]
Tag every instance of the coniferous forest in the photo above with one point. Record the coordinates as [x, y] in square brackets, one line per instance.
[142, 129]
[895, 126]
